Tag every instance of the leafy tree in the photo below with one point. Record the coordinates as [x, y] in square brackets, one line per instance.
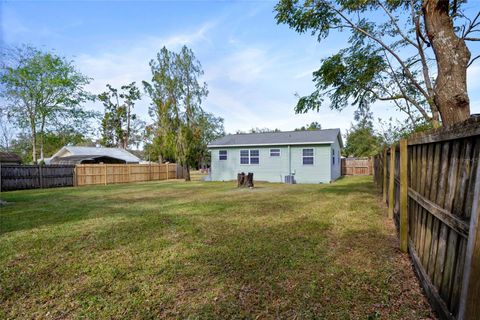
[177, 96]
[209, 128]
[41, 91]
[362, 141]
[391, 48]
[118, 127]
[314, 125]
[258, 130]
[53, 141]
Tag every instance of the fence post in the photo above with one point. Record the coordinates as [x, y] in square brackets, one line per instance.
[391, 184]
[469, 308]
[403, 195]
[384, 167]
[105, 173]
[40, 175]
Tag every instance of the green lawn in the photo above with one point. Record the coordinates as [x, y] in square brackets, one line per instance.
[204, 251]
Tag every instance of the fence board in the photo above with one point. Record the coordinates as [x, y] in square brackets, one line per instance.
[20, 177]
[442, 213]
[357, 166]
[96, 174]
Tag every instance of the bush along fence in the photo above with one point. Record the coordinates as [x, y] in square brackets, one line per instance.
[357, 166]
[18, 177]
[431, 185]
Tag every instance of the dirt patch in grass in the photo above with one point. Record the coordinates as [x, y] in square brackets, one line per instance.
[204, 251]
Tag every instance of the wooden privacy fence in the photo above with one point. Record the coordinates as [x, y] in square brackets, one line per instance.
[18, 177]
[91, 174]
[431, 184]
[356, 166]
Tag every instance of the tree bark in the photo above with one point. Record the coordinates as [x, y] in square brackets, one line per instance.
[452, 56]
[187, 173]
[34, 145]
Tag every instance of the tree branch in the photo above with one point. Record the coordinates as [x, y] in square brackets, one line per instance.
[408, 73]
[394, 22]
[472, 60]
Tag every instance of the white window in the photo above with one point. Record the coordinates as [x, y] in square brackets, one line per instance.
[274, 152]
[249, 156]
[307, 156]
[222, 155]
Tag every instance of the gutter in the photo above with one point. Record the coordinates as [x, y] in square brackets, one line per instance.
[267, 144]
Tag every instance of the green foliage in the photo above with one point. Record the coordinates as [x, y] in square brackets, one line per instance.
[42, 91]
[387, 58]
[181, 129]
[53, 141]
[314, 125]
[362, 140]
[120, 126]
[393, 131]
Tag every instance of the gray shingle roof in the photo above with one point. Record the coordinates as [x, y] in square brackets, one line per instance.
[108, 152]
[278, 138]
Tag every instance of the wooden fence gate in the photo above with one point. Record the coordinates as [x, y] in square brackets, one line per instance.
[356, 166]
[431, 184]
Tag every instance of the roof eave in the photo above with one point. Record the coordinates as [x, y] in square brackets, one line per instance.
[267, 144]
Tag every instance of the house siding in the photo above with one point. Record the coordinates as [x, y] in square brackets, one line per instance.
[274, 169]
[336, 170]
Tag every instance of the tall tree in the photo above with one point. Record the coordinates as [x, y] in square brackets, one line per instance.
[391, 48]
[177, 95]
[314, 125]
[41, 90]
[210, 127]
[118, 119]
[361, 139]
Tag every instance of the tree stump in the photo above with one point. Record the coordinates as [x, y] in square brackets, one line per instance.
[245, 180]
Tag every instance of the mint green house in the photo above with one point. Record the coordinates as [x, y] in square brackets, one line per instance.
[295, 156]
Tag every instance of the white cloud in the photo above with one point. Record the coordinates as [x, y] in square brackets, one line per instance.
[118, 66]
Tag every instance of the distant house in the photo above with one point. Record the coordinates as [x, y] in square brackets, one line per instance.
[307, 156]
[10, 158]
[85, 155]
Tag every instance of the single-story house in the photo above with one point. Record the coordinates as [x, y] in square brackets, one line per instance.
[10, 158]
[305, 156]
[84, 155]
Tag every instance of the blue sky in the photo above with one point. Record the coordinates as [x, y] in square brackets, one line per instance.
[253, 67]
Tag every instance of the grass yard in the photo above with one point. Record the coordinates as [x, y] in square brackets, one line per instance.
[204, 251]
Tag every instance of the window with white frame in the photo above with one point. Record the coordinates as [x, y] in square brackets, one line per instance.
[249, 156]
[307, 156]
[274, 152]
[222, 155]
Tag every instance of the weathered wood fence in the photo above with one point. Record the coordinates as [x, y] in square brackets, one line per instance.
[91, 174]
[356, 166]
[18, 177]
[431, 184]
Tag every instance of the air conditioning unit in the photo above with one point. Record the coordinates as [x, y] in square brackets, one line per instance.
[290, 179]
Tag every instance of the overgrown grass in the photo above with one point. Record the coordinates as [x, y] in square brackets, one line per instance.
[202, 251]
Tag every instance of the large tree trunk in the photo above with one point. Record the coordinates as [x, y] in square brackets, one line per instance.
[187, 173]
[452, 55]
[34, 145]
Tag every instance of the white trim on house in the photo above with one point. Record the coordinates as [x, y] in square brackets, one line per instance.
[249, 157]
[312, 156]
[268, 144]
[275, 156]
